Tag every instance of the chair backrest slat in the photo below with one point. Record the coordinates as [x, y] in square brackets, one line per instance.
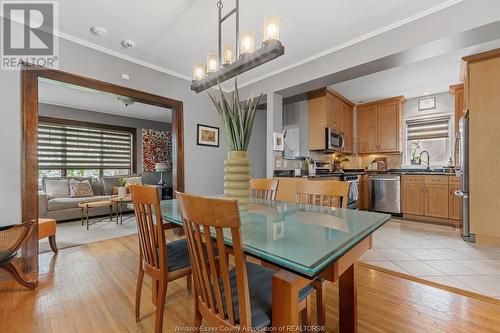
[263, 188]
[323, 193]
[149, 227]
[204, 221]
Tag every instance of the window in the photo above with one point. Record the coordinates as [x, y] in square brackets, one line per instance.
[83, 151]
[431, 135]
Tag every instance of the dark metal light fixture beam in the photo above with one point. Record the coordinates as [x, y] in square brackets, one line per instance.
[270, 50]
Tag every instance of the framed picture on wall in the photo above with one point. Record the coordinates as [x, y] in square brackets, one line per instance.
[207, 136]
[427, 103]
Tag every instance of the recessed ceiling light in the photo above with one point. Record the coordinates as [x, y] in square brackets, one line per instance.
[128, 43]
[426, 93]
[98, 31]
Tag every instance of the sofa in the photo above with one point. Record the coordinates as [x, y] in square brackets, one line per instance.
[62, 207]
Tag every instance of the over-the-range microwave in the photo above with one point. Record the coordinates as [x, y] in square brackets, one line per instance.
[334, 139]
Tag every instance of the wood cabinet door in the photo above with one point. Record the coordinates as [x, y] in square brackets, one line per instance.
[436, 201]
[455, 204]
[346, 126]
[389, 127]
[317, 123]
[413, 199]
[459, 107]
[367, 129]
[333, 112]
[364, 191]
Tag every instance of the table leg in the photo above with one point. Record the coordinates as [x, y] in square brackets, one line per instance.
[87, 217]
[285, 307]
[121, 213]
[82, 216]
[347, 301]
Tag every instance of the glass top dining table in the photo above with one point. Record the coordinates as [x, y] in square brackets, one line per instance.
[303, 239]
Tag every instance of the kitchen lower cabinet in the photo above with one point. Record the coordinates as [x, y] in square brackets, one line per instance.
[431, 198]
[364, 193]
[413, 199]
[436, 201]
[454, 202]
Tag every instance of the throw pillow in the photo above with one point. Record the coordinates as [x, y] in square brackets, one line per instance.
[56, 188]
[134, 181]
[80, 189]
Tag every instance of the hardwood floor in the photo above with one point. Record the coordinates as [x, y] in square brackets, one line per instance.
[91, 288]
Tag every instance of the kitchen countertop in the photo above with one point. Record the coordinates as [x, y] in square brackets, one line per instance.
[368, 172]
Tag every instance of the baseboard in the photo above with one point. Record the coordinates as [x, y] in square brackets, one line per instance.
[434, 220]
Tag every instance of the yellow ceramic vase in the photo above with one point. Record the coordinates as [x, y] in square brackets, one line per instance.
[237, 177]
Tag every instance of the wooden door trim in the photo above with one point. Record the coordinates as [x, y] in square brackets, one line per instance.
[29, 149]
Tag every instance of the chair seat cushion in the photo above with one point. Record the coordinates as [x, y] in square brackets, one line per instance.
[260, 287]
[178, 255]
[6, 256]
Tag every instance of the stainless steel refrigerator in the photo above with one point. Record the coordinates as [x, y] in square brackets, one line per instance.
[463, 172]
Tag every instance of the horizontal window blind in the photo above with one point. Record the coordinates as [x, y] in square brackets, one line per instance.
[428, 128]
[72, 147]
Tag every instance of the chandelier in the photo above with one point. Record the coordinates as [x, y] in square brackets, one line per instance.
[225, 64]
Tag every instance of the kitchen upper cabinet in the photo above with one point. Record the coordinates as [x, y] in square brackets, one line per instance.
[367, 129]
[388, 127]
[328, 109]
[459, 93]
[333, 112]
[346, 124]
[379, 126]
[318, 121]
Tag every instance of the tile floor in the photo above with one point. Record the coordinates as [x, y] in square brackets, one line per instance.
[437, 254]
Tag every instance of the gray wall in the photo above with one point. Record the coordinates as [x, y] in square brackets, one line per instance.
[62, 112]
[257, 147]
[204, 166]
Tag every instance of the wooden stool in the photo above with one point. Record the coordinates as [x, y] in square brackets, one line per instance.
[47, 228]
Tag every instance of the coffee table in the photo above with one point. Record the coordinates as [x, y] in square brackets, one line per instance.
[118, 202]
[85, 206]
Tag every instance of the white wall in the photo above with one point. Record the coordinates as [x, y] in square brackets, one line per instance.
[445, 104]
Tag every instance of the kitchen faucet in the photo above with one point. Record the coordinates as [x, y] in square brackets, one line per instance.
[428, 159]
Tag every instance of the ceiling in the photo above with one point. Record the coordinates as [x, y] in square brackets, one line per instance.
[57, 93]
[171, 35]
[430, 76]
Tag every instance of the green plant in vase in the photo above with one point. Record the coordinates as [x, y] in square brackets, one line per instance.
[237, 120]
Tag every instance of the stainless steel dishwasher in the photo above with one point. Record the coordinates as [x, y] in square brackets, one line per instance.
[385, 193]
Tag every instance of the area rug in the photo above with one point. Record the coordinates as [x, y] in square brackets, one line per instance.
[72, 233]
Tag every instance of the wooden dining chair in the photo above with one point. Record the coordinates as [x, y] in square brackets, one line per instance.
[11, 239]
[237, 298]
[330, 193]
[264, 188]
[161, 261]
